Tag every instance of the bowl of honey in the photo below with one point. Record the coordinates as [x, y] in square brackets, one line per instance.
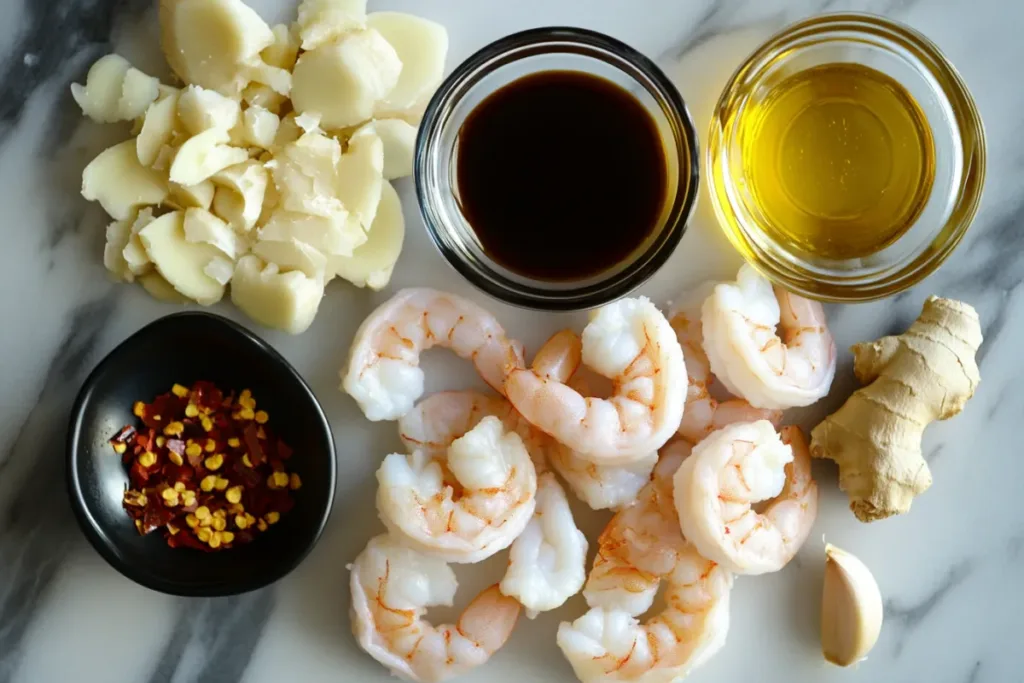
[846, 158]
[556, 168]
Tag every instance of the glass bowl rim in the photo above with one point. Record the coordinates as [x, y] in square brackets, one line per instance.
[925, 56]
[486, 60]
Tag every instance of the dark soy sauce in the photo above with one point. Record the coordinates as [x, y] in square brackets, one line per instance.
[561, 175]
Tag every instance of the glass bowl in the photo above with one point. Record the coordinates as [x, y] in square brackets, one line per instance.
[507, 60]
[959, 139]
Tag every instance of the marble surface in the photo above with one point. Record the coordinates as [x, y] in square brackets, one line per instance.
[952, 572]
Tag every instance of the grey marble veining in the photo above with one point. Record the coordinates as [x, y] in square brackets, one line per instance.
[952, 571]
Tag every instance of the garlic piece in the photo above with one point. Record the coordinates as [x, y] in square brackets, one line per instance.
[203, 227]
[120, 183]
[399, 140]
[179, 261]
[220, 269]
[287, 132]
[334, 236]
[371, 264]
[285, 301]
[343, 80]
[187, 196]
[259, 127]
[259, 95]
[118, 233]
[292, 254]
[283, 52]
[138, 91]
[157, 128]
[160, 289]
[851, 608]
[248, 181]
[321, 21]
[104, 84]
[305, 173]
[213, 43]
[422, 47]
[360, 177]
[229, 206]
[134, 253]
[203, 155]
[200, 109]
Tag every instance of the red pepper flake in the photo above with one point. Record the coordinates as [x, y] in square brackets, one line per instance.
[184, 476]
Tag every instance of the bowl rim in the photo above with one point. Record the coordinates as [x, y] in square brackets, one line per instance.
[246, 582]
[654, 255]
[971, 189]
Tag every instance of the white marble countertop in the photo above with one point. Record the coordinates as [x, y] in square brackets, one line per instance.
[952, 571]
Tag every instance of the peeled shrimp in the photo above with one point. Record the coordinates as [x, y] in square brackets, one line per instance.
[739, 325]
[599, 486]
[703, 413]
[631, 343]
[392, 585]
[612, 644]
[730, 471]
[547, 562]
[466, 508]
[641, 544]
[383, 374]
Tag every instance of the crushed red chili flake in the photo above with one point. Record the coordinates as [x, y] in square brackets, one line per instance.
[198, 450]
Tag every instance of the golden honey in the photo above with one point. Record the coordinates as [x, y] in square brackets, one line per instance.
[839, 160]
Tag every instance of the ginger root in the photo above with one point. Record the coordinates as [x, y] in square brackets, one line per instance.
[925, 374]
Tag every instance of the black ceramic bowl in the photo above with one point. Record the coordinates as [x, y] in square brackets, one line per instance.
[184, 348]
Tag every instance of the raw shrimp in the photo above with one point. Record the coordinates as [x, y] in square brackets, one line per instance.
[741, 324]
[383, 374]
[483, 510]
[392, 586]
[631, 343]
[599, 486]
[612, 645]
[703, 413]
[730, 471]
[641, 544]
[547, 563]
[441, 418]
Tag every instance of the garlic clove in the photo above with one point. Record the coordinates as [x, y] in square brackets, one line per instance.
[200, 109]
[422, 47]
[104, 85]
[284, 301]
[342, 81]
[372, 263]
[321, 21]
[399, 140]
[851, 608]
[208, 42]
[120, 183]
[361, 177]
[203, 155]
[157, 128]
[292, 254]
[179, 261]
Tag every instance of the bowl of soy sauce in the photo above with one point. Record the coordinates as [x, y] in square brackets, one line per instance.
[556, 168]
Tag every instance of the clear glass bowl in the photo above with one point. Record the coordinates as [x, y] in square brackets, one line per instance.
[500, 63]
[959, 138]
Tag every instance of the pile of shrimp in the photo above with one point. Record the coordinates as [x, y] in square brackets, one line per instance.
[681, 465]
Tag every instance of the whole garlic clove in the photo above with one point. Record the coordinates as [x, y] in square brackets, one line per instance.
[851, 608]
